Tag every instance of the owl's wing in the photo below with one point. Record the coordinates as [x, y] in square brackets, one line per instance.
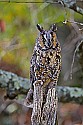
[29, 98]
[32, 75]
[32, 70]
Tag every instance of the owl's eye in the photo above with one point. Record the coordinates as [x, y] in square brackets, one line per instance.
[51, 33]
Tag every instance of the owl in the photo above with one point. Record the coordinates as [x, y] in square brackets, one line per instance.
[45, 64]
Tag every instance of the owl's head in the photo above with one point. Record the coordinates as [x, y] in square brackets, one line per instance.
[47, 39]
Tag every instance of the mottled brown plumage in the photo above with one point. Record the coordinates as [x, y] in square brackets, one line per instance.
[45, 61]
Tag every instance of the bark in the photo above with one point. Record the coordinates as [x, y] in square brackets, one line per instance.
[16, 85]
[13, 84]
[44, 105]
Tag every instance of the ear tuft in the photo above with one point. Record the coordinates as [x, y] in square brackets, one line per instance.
[53, 27]
[39, 28]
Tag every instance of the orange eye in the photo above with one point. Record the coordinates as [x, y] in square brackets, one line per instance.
[54, 35]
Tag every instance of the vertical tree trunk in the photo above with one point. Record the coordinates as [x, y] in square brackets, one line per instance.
[44, 113]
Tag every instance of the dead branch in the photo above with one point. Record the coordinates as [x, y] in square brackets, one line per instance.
[16, 85]
[72, 4]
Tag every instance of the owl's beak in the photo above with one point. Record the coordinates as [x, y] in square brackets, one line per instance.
[49, 43]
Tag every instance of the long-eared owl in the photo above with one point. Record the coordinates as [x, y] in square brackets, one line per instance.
[45, 60]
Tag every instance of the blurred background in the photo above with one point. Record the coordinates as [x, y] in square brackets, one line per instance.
[18, 34]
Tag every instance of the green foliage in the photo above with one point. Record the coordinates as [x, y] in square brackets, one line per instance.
[21, 20]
